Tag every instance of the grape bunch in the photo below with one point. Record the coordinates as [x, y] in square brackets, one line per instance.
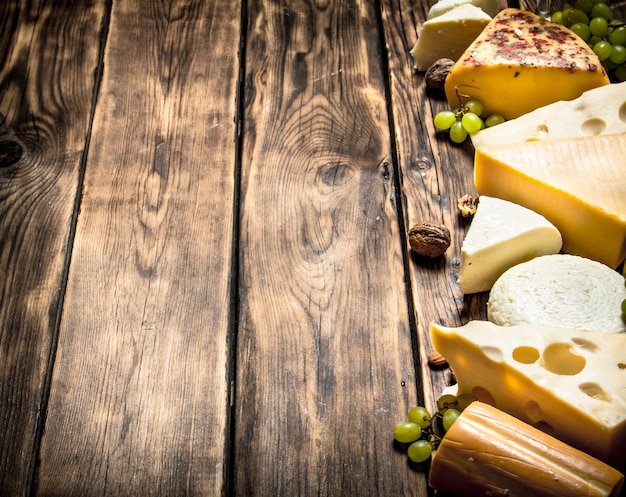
[594, 22]
[465, 120]
[419, 435]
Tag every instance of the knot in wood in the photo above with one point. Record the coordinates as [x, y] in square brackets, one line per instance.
[10, 153]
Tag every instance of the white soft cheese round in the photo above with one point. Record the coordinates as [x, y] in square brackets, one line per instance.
[559, 290]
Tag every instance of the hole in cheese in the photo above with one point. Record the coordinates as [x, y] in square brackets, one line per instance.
[585, 344]
[622, 112]
[559, 359]
[525, 355]
[594, 391]
[593, 126]
[493, 353]
[483, 395]
[545, 427]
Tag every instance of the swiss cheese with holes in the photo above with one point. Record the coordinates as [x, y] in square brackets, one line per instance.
[570, 384]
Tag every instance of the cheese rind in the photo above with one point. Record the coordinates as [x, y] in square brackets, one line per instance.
[559, 290]
[520, 62]
[598, 111]
[570, 384]
[490, 7]
[502, 234]
[488, 452]
[577, 184]
[448, 35]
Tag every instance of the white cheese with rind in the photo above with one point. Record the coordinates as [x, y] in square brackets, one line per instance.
[559, 290]
[501, 235]
[490, 7]
[598, 111]
[448, 35]
[570, 384]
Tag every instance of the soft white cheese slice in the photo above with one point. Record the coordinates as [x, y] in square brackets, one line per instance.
[570, 384]
[559, 290]
[490, 7]
[598, 111]
[448, 35]
[502, 234]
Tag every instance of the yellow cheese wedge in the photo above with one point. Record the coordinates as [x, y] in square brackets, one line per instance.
[570, 384]
[448, 35]
[521, 62]
[489, 452]
[577, 184]
[598, 111]
[502, 235]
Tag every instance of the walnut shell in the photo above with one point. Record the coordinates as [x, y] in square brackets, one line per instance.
[436, 74]
[429, 239]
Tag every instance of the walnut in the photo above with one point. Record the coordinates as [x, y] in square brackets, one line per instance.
[429, 239]
[467, 205]
[436, 360]
[436, 74]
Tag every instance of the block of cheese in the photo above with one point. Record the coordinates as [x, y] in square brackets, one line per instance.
[489, 452]
[490, 7]
[578, 184]
[520, 62]
[559, 290]
[570, 384]
[598, 111]
[448, 35]
[502, 234]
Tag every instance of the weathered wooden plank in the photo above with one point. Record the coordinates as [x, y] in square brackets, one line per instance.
[47, 85]
[434, 173]
[325, 364]
[139, 399]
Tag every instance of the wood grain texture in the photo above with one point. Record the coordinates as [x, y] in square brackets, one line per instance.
[325, 365]
[47, 86]
[434, 173]
[139, 399]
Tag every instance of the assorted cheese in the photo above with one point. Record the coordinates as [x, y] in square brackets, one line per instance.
[570, 384]
[598, 111]
[448, 35]
[521, 62]
[489, 452]
[502, 234]
[559, 290]
[578, 184]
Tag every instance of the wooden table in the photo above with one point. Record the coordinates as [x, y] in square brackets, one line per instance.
[205, 287]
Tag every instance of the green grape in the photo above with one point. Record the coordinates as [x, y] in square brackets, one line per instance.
[624, 307]
[420, 451]
[620, 72]
[584, 5]
[443, 120]
[475, 106]
[618, 36]
[464, 400]
[572, 16]
[557, 17]
[493, 120]
[446, 401]
[601, 9]
[581, 29]
[420, 416]
[618, 54]
[602, 49]
[609, 65]
[599, 27]
[449, 417]
[457, 132]
[593, 40]
[406, 432]
[471, 122]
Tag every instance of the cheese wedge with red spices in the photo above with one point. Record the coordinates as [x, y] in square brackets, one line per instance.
[521, 62]
[577, 184]
[570, 384]
[489, 452]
